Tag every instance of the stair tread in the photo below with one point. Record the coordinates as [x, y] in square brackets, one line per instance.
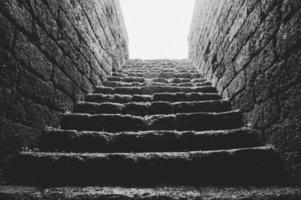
[167, 80]
[160, 74]
[153, 193]
[167, 70]
[147, 108]
[156, 115]
[150, 155]
[144, 141]
[171, 97]
[153, 89]
[151, 84]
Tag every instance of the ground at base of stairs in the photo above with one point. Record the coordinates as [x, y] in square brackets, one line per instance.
[159, 193]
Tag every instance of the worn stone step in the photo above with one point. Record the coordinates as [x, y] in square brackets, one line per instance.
[158, 67]
[152, 66]
[159, 80]
[152, 108]
[236, 166]
[152, 193]
[163, 69]
[153, 89]
[158, 71]
[162, 75]
[154, 83]
[158, 62]
[56, 140]
[126, 79]
[176, 80]
[121, 74]
[123, 84]
[117, 98]
[170, 97]
[181, 122]
[166, 71]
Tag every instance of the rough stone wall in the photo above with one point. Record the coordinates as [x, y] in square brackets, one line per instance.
[52, 52]
[250, 50]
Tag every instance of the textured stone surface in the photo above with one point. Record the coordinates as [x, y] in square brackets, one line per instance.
[180, 121]
[153, 108]
[129, 139]
[51, 54]
[157, 193]
[235, 166]
[168, 97]
[250, 50]
[159, 138]
[153, 89]
[145, 141]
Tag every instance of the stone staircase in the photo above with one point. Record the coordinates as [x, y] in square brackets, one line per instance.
[154, 123]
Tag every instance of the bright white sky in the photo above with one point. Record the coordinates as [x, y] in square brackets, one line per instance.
[158, 28]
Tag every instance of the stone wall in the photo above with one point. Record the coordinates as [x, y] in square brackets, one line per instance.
[51, 54]
[250, 50]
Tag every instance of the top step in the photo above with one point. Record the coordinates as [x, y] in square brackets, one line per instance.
[158, 63]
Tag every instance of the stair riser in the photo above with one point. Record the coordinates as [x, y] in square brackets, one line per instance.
[152, 90]
[153, 108]
[153, 141]
[156, 97]
[118, 123]
[222, 167]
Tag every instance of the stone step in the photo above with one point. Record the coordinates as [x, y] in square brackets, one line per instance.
[161, 75]
[158, 65]
[127, 79]
[181, 122]
[169, 97]
[139, 84]
[152, 108]
[123, 84]
[153, 89]
[152, 193]
[182, 67]
[56, 140]
[159, 71]
[120, 74]
[236, 166]
[161, 67]
[157, 80]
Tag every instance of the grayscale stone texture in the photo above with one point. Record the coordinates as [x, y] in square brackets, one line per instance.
[250, 50]
[52, 53]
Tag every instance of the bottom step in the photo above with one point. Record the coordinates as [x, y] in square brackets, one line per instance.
[158, 193]
[237, 166]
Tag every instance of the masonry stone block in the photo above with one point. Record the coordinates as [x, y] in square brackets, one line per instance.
[51, 56]
[260, 39]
